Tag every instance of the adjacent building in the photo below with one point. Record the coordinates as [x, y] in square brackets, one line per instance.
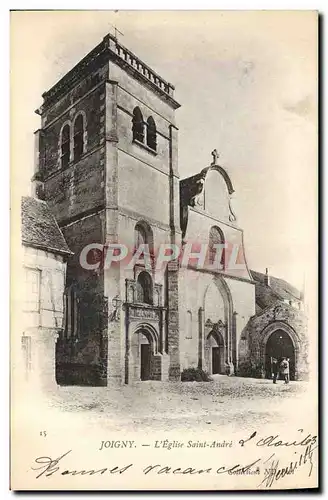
[45, 253]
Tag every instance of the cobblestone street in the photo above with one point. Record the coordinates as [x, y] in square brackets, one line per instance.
[227, 401]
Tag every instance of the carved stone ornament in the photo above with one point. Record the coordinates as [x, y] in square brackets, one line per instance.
[131, 290]
[209, 323]
[143, 313]
[215, 326]
[192, 191]
[281, 312]
[115, 313]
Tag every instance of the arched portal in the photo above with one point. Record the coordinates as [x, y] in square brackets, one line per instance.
[146, 360]
[279, 345]
[218, 310]
[214, 353]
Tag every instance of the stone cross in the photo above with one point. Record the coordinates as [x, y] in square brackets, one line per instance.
[215, 155]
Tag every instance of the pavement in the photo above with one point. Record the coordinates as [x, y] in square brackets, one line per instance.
[232, 402]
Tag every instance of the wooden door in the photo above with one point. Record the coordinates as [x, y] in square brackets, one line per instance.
[145, 362]
[216, 362]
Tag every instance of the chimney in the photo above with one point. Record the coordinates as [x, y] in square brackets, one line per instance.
[267, 277]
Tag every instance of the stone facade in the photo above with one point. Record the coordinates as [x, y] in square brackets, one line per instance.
[115, 179]
[99, 197]
[42, 315]
[218, 303]
[278, 318]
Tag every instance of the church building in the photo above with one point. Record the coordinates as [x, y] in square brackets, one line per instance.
[107, 169]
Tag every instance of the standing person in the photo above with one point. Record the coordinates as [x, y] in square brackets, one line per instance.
[284, 368]
[275, 370]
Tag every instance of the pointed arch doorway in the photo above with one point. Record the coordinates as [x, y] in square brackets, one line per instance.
[217, 343]
[146, 360]
[214, 353]
[279, 345]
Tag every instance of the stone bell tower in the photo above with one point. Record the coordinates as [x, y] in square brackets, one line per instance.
[106, 164]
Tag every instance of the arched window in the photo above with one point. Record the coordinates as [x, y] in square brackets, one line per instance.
[216, 238]
[78, 137]
[140, 235]
[137, 125]
[145, 288]
[65, 152]
[151, 133]
[143, 235]
[189, 325]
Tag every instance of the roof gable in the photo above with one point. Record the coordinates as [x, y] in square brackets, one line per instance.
[40, 228]
[279, 289]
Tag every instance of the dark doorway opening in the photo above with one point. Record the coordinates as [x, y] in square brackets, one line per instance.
[214, 353]
[279, 345]
[216, 360]
[145, 361]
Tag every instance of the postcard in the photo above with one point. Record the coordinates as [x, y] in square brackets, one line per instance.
[164, 328]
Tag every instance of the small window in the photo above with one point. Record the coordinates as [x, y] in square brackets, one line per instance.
[143, 234]
[65, 146]
[216, 238]
[151, 133]
[78, 137]
[138, 125]
[71, 312]
[140, 236]
[189, 325]
[145, 288]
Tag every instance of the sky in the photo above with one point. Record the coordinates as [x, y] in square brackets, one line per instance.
[247, 85]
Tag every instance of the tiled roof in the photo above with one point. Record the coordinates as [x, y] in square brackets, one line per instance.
[279, 289]
[39, 227]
